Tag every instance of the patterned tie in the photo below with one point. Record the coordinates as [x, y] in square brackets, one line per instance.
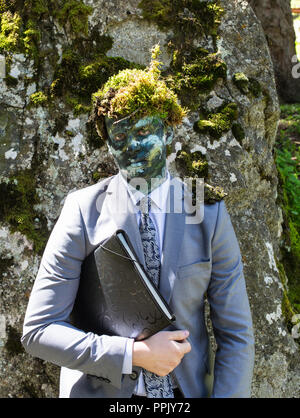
[156, 386]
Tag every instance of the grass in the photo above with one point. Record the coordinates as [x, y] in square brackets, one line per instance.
[287, 158]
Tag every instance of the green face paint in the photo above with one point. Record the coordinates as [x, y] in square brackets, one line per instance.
[140, 148]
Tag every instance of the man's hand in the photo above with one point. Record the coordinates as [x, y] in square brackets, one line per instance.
[162, 352]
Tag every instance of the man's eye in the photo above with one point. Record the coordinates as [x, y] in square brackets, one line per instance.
[120, 137]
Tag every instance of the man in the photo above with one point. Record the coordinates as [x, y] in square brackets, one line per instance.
[135, 112]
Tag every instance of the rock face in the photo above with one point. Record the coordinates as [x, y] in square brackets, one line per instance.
[49, 148]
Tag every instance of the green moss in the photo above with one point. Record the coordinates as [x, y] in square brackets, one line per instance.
[79, 75]
[191, 164]
[238, 132]
[136, 93]
[255, 87]
[196, 74]
[247, 85]
[38, 98]
[74, 14]
[194, 165]
[193, 71]
[218, 123]
[213, 194]
[18, 197]
[10, 32]
[186, 17]
[241, 81]
[31, 39]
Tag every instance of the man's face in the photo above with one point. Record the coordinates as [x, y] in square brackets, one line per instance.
[139, 148]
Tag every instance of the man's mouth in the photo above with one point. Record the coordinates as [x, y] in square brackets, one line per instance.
[138, 163]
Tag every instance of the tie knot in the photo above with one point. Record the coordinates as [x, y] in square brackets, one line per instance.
[145, 204]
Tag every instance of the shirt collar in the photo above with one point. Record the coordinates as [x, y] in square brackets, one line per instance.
[158, 195]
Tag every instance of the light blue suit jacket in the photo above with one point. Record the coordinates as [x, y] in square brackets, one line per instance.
[198, 260]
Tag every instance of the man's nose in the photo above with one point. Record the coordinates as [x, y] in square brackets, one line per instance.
[133, 144]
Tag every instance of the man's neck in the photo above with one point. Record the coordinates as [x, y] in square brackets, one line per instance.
[144, 185]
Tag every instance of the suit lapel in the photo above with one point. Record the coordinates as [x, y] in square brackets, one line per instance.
[120, 208]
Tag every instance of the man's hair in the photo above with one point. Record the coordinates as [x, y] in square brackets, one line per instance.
[134, 94]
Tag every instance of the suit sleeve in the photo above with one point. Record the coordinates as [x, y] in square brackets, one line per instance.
[47, 334]
[230, 314]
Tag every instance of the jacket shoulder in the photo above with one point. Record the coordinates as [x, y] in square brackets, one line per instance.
[89, 192]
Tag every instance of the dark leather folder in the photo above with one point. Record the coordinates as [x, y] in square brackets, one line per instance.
[116, 296]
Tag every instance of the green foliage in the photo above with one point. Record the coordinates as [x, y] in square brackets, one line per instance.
[287, 157]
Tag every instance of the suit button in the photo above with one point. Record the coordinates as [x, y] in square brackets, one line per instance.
[106, 380]
[133, 375]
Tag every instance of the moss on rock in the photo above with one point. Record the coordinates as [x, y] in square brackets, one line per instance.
[191, 164]
[197, 74]
[10, 31]
[247, 85]
[219, 122]
[18, 197]
[186, 17]
[194, 165]
[38, 98]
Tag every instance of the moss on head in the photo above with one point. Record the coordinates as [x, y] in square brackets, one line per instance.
[136, 94]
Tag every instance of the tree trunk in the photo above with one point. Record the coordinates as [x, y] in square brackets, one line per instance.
[277, 21]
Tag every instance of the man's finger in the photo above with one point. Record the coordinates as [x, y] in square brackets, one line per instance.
[184, 347]
[178, 335]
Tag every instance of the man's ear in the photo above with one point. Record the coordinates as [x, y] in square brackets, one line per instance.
[169, 132]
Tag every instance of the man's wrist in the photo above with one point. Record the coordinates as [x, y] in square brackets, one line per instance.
[139, 352]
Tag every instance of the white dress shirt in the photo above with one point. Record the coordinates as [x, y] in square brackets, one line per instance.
[157, 214]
